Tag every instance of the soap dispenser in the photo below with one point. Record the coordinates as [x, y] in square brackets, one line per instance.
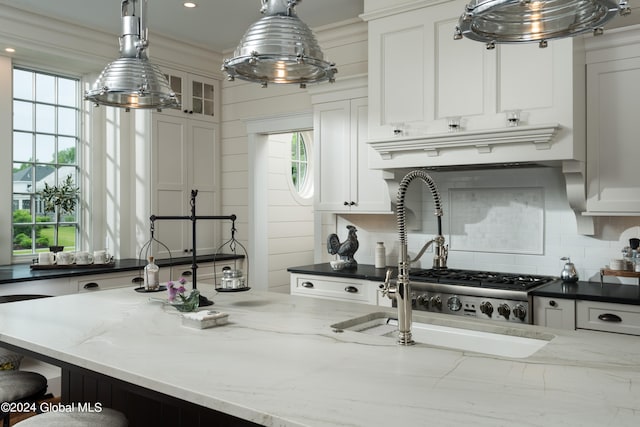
[569, 273]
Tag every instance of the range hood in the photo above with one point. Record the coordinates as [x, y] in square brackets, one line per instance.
[525, 146]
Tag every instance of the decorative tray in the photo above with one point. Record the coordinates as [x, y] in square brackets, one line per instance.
[244, 288]
[620, 273]
[70, 266]
[141, 289]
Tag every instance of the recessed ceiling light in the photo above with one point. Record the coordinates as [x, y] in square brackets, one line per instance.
[189, 4]
[9, 49]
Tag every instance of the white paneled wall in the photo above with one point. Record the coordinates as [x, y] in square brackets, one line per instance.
[242, 102]
[559, 235]
[290, 219]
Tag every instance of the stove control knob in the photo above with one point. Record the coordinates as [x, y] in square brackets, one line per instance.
[436, 302]
[486, 308]
[520, 311]
[454, 304]
[423, 300]
[504, 310]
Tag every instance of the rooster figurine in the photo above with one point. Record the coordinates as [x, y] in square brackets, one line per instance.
[344, 250]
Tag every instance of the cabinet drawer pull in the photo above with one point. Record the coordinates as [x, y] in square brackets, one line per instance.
[609, 317]
[137, 280]
[351, 289]
[186, 273]
[307, 285]
[91, 285]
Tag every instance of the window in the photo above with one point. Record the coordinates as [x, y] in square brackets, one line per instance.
[299, 163]
[46, 119]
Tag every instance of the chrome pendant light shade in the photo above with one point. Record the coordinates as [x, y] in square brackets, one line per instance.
[131, 81]
[279, 48]
[521, 21]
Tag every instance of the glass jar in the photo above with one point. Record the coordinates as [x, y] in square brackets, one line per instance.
[151, 276]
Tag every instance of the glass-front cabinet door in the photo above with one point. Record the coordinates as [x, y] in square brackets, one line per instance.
[198, 95]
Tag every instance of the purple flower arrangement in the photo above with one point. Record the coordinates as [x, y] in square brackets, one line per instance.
[177, 291]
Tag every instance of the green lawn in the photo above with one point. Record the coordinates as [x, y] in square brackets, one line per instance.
[66, 236]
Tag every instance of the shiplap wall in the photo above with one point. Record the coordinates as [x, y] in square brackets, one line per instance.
[290, 218]
[345, 44]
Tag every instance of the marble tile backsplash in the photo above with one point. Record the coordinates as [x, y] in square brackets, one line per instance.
[507, 212]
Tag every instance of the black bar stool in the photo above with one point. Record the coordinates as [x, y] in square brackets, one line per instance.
[20, 386]
[105, 418]
[15, 385]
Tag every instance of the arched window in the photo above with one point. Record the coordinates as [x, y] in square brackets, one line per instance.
[301, 176]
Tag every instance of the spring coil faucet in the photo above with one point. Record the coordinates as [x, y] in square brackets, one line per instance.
[402, 290]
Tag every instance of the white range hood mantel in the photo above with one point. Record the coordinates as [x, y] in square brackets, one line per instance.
[411, 150]
[482, 140]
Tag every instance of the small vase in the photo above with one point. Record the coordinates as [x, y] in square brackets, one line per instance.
[189, 304]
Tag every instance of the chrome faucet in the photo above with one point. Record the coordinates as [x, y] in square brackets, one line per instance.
[401, 291]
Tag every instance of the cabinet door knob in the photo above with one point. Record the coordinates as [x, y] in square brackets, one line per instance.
[346, 203]
[610, 317]
[91, 285]
[307, 285]
[552, 303]
[351, 289]
[352, 203]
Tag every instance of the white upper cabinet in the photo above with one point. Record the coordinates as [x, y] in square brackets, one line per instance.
[185, 158]
[198, 95]
[420, 78]
[344, 182]
[613, 102]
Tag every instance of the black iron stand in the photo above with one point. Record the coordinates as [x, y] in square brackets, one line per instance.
[204, 301]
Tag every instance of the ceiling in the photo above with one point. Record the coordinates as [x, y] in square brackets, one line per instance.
[217, 24]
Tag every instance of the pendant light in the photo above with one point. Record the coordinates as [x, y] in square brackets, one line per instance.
[279, 48]
[520, 21]
[131, 81]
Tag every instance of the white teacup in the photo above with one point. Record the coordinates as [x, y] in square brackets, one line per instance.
[83, 258]
[100, 257]
[64, 258]
[46, 258]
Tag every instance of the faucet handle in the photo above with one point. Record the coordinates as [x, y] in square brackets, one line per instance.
[386, 289]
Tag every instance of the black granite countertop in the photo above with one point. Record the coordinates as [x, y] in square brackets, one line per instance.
[363, 271]
[24, 273]
[591, 291]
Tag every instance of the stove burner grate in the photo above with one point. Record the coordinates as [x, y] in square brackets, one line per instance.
[486, 279]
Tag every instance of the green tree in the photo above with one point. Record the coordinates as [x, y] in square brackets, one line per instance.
[67, 156]
[21, 216]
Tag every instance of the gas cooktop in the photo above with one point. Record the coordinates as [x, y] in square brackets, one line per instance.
[483, 279]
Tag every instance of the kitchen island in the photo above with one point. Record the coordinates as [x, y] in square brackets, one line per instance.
[280, 363]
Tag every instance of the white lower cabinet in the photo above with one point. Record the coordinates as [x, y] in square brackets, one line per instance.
[51, 287]
[336, 288]
[554, 313]
[608, 317]
[101, 282]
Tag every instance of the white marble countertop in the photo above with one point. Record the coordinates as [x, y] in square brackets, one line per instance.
[279, 363]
